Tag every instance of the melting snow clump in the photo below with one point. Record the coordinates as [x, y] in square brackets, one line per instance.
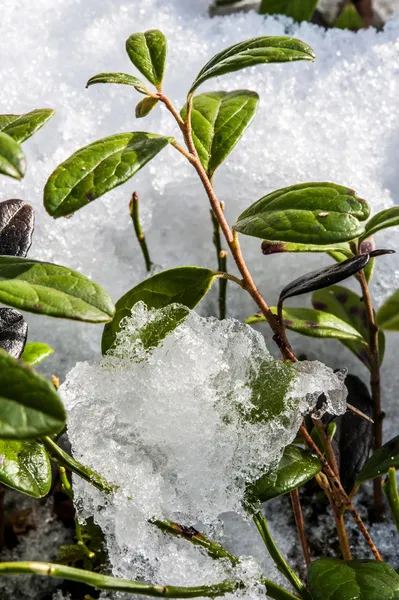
[182, 428]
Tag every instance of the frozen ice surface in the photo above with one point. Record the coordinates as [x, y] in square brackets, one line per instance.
[178, 429]
[334, 119]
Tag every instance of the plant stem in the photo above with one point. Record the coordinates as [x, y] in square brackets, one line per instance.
[106, 582]
[231, 238]
[324, 483]
[222, 265]
[65, 483]
[60, 457]
[375, 385]
[134, 213]
[390, 488]
[282, 565]
[339, 490]
[336, 507]
[197, 538]
[249, 284]
[300, 524]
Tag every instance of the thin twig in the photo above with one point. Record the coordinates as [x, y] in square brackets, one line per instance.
[197, 538]
[300, 525]
[134, 213]
[336, 507]
[282, 565]
[359, 413]
[106, 582]
[339, 490]
[338, 517]
[221, 256]
[249, 284]
[375, 385]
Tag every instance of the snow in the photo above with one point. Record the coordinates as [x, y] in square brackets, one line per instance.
[177, 429]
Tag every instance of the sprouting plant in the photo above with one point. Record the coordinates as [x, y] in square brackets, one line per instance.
[309, 217]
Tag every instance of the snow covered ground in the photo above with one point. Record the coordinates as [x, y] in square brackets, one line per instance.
[336, 120]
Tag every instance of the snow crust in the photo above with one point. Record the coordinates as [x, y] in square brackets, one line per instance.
[178, 430]
[334, 119]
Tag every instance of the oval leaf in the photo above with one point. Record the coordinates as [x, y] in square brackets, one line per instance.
[13, 331]
[348, 306]
[387, 316]
[331, 578]
[147, 51]
[22, 127]
[313, 323]
[349, 18]
[296, 467]
[380, 462]
[121, 78]
[265, 49]
[382, 220]
[307, 213]
[52, 290]
[98, 168]
[218, 121]
[323, 278]
[25, 466]
[183, 285]
[12, 157]
[29, 405]
[36, 352]
[145, 106]
[299, 10]
[354, 435]
[269, 247]
[17, 222]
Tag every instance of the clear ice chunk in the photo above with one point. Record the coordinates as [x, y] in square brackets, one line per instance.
[182, 428]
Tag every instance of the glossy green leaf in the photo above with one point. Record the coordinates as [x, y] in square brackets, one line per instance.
[145, 106]
[349, 307]
[121, 78]
[349, 18]
[256, 51]
[147, 51]
[387, 316]
[29, 405]
[36, 352]
[219, 119]
[299, 10]
[52, 290]
[382, 220]
[12, 157]
[22, 127]
[269, 247]
[25, 466]
[313, 323]
[183, 285]
[334, 579]
[296, 467]
[98, 168]
[307, 213]
[380, 462]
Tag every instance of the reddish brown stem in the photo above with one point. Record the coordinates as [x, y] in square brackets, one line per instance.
[249, 284]
[375, 385]
[300, 525]
[339, 491]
